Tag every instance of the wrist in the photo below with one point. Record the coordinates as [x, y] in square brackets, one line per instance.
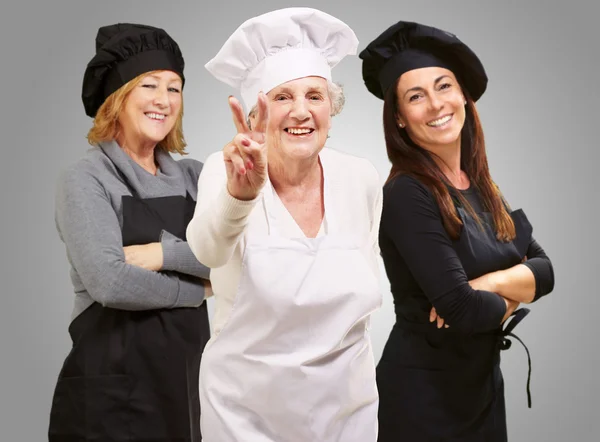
[240, 196]
[160, 257]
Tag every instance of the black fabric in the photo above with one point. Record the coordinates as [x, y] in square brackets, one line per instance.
[407, 45]
[124, 51]
[133, 375]
[443, 384]
[537, 259]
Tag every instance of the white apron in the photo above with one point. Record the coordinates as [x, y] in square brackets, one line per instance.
[294, 362]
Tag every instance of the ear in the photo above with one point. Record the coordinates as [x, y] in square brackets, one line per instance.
[400, 121]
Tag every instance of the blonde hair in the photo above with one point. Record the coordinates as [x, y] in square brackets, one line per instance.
[106, 122]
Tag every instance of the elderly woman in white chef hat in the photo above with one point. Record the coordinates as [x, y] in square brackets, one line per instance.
[290, 229]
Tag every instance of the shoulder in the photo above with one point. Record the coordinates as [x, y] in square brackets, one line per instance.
[85, 179]
[408, 199]
[351, 164]
[214, 165]
[406, 187]
[191, 167]
[353, 170]
[92, 167]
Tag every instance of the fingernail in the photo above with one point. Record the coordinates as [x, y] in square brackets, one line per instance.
[249, 165]
[242, 171]
[245, 142]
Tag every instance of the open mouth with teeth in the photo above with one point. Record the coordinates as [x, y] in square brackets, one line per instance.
[299, 131]
[440, 122]
[155, 117]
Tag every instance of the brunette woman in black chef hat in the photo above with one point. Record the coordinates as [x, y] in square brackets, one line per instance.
[139, 323]
[460, 261]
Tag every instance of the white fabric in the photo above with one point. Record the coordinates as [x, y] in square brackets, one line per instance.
[279, 46]
[290, 358]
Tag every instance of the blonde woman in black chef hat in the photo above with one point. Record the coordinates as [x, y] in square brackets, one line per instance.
[459, 260]
[139, 323]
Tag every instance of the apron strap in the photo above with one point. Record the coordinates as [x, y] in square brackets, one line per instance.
[505, 343]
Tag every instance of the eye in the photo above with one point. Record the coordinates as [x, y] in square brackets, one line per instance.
[414, 97]
[281, 97]
[148, 85]
[317, 97]
[445, 86]
[174, 89]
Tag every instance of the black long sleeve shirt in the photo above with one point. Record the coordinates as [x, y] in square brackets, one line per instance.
[424, 269]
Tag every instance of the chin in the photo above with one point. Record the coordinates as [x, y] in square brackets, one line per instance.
[301, 152]
[156, 138]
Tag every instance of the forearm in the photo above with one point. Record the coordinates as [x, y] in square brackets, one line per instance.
[216, 228]
[178, 257]
[516, 283]
[471, 311]
[143, 291]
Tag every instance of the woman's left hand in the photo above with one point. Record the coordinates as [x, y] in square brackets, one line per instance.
[433, 316]
[146, 256]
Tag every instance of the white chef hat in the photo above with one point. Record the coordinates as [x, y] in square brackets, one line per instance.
[280, 46]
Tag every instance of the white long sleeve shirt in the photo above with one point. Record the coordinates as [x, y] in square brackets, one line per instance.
[220, 228]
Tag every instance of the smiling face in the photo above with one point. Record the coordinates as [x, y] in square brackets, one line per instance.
[431, 107]
[151, 110]
[299, 117]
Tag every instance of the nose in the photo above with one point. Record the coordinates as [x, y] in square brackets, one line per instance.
[161, 97]
[300, 110]
[435, 102]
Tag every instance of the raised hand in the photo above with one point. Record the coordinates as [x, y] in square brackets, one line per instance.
[246, 155]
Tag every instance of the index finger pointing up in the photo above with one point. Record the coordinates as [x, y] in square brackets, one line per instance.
[262, 113]
[238, 115]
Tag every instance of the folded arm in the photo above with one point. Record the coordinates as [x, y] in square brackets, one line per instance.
[89, 227]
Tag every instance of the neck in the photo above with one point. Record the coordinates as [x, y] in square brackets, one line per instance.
[142, 154]
[447, 158]
[286, 174]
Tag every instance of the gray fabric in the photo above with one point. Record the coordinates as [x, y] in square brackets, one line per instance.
[89, 221]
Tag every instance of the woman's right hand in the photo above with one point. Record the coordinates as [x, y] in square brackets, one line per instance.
[246, 155]
[511, 306]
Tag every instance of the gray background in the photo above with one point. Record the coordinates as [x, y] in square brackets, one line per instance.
[540, 116]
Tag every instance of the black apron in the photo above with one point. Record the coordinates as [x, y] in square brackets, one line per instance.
[133, 375]
[438, 385]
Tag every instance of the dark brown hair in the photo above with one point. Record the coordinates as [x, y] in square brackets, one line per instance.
[410, 159]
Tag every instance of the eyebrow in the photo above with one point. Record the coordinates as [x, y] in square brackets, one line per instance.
[419, 88]
[157, 77]
[286, 90]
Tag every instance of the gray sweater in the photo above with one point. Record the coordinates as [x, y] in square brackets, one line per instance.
[89, 220]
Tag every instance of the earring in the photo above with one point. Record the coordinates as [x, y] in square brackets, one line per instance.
[465, 102]
[401, 125]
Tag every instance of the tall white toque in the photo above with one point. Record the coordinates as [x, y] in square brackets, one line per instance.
[280, 46]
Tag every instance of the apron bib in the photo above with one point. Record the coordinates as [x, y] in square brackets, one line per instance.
[294, 361]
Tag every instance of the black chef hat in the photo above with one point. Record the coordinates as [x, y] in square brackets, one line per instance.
[406, 46]
[124, 51]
